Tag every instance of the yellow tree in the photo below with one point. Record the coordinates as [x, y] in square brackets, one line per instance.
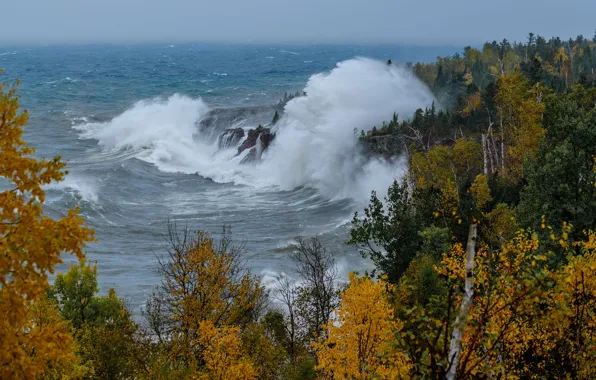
[447, 169]
[223, 354]
[527, 320]
[575, 302]
[204, 287]
[30, 246]
[561, 328]
[360, 343]
[519, 112]
[48, 325]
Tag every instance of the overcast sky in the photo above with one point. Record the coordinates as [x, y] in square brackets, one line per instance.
[430, 22]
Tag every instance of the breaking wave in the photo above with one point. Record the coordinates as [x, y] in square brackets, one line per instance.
[315, 144]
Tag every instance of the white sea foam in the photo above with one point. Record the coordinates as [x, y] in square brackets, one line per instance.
[315, 145]
[83, 188]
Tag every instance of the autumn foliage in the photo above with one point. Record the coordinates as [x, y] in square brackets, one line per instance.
[484, 254]
[206, 299]
[30, 247]
[359, 342]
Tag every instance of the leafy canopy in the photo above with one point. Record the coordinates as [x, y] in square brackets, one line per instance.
[30, 246]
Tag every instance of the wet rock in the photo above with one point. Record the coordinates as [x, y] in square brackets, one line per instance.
[230, 138]
[250, 157]
[260, 135]
[258, 140]
[266, 138]
[251, 139]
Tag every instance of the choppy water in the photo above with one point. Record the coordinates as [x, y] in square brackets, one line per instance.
[127, 120]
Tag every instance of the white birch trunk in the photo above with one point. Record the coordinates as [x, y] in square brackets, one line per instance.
[502, 148]
[460, 320]
[494, 158]
[485, 154]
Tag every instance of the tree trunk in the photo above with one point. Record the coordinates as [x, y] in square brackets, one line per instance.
[485, 154]
[502, 148]
[494, 158]
[464, 310]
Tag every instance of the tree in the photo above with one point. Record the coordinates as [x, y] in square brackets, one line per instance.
[75, 293]
[358, 343]
[529, 46]
[466, 303]
[103, 326]
[308, 302]
[264, 347]
[569, 345]
[275, 118]
[317, 295]
[61, 354]
[204, 286]
[519, 115]
[536, 72]
[560, 178]
[222, 353]
[30, 247]
[388, 232]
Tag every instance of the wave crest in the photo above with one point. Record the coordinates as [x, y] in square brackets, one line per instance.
[315, 145]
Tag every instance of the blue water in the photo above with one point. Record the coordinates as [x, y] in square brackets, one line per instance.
[126, 197]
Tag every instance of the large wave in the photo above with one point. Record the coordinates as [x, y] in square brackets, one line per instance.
[315, 142]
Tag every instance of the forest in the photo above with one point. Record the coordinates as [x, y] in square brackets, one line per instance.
[484, 253]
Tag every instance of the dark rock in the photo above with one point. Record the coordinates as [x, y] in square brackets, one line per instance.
[266, 138]
[250, 157]
[221, 118]
[251, 139]
[258, 140]
[230, 138]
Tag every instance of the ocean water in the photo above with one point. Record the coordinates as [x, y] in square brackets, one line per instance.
[138, 126]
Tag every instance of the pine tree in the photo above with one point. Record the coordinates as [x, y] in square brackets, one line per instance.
[536, 72]
[275, 118]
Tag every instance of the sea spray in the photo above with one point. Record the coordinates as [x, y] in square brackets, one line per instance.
[315, 144]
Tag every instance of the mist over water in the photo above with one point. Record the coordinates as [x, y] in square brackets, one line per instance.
[139, 126]
[316, 141]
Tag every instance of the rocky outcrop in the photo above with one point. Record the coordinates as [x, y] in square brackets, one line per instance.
[386, 145]
[230, 138]
[266, 138]
[250, 157]
[258, 140]
[251, 140]
[219, 118]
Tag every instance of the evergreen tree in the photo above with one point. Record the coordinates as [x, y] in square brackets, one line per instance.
[536, 72]
[275, 118]
[388, 233]
[560, 180]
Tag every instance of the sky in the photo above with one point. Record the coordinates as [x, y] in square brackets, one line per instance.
[422, 22]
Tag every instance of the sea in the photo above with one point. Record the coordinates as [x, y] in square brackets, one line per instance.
[139, 127]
